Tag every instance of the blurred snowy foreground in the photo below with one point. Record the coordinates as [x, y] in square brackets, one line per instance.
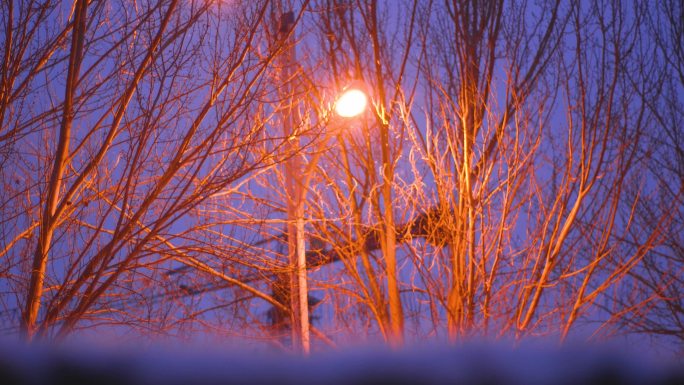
[472, 364]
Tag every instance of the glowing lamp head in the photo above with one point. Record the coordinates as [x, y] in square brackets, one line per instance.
[352, 103]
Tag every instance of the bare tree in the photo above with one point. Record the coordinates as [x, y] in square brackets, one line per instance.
[508, 168]
[651, 301]
[506, 181]
[119, 120]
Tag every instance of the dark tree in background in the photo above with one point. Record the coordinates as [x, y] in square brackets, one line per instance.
[652, 302]
[518, 172]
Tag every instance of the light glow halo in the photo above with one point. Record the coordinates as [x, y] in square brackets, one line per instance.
[351, 103]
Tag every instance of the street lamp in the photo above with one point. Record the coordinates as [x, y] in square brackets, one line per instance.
[351, 103]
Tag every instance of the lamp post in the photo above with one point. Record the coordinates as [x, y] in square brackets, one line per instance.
[351, 103]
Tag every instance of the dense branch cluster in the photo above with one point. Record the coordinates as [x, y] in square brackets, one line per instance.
[519, 171]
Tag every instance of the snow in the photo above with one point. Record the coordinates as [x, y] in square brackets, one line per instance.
[468, 364]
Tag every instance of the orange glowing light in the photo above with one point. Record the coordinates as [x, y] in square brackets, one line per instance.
[352, 103]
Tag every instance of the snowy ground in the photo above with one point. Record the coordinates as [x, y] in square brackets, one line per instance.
[473, 364]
